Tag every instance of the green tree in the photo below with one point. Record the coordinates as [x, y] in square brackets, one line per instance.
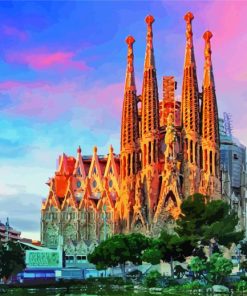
[214, 270]
[203, 220]
[219, 267]
[169, 248]
[152, 254]
[152, 279]
[119, 249]
[12, 259]
[198, 266]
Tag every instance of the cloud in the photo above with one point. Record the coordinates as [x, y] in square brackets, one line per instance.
[14, 32]
[96, 106]
[47, 60]
[13, 149]
[22, 215]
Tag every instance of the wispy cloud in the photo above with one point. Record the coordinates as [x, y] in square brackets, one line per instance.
[14, 33]
[49, 101]
[47, 60]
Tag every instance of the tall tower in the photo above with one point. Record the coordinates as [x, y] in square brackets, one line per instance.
[129, 140]
[210, 126]
[149, 127]
[190, 115]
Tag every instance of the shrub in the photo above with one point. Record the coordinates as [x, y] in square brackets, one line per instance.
[152, 279]
[242, 286]
[195, 285]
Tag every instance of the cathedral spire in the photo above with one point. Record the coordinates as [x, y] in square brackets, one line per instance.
[129, 140]
[130, 77]
[129, 128]
[150, 101]
[190, 98]
[189, 52]
[150, 133]
[149, 56]
[208, 78]
[190, 94]
[210, 129]
[190, 114]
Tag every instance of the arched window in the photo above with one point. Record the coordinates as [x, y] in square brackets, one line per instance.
[145, 155]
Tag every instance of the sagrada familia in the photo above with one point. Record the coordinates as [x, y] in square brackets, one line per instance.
[169, 150]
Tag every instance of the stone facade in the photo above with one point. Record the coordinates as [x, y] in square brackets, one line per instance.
[169, 150]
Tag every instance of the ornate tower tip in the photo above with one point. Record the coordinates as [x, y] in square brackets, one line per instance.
[130, 40]
[95, 149]
[207, 36]
[149, 19]
[189, 17]
[79, 150]
[111, 149]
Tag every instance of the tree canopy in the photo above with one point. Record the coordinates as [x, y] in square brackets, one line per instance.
[12, 259]
[214, 270]
[203, 220]
[168, 247]
[119, 249]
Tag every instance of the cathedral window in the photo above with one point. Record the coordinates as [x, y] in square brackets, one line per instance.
[191, 151]
[124, 167]
[149, 152]
[206, 160]
[94, 183]
[78, 171]
[133, 163]
[201, 159]
[94, 170]
[110, 183]
[145, 155]
[154, 151]
[129, 164]
[211, 161]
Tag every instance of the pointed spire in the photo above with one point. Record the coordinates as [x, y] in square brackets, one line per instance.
[149, 56]
[129, 132]
[130, 76]
[190, 93]
[189, 53]
[210, 124]
[150, 97]
[111, 150]
[208, 71]
[79, 150]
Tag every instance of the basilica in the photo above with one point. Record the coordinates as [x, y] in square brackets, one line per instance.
[169, 150]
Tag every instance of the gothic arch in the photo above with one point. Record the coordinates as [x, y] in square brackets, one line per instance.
[170, 196]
